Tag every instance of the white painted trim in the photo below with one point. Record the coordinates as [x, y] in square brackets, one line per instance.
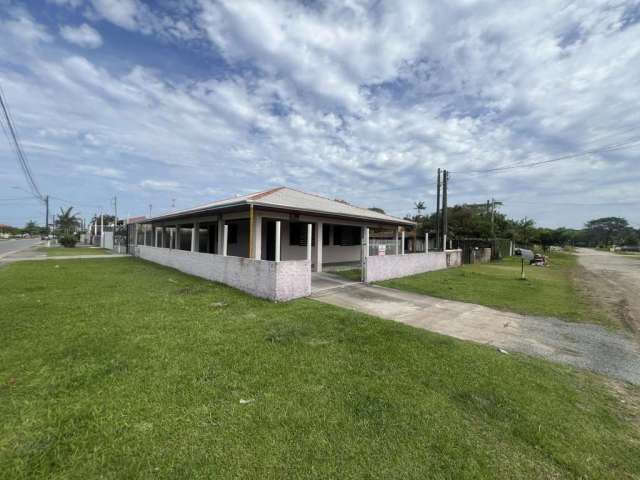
[225, 239]
[277, 240]
[309, 233]
[402, 244]
[318, 246]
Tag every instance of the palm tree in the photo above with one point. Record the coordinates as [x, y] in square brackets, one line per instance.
[67, 220]
[419, 206]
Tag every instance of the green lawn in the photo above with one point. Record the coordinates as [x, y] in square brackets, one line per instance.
[125, 369]
[547, 291]
[65, 252]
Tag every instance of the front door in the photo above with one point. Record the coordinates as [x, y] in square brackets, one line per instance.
[271, 240]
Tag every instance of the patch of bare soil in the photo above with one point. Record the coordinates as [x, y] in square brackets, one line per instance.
[603, 301]
[612, 283]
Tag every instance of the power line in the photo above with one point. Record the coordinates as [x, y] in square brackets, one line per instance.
[22, 159]
[603, 149]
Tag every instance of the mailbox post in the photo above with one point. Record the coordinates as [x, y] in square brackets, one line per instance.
[524, 254]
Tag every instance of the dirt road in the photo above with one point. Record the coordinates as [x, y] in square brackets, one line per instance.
[613, 282]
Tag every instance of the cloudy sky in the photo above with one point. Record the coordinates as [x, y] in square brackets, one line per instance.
[182, 102]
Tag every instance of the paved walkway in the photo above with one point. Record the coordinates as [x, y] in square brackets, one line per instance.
[322, 282]
[582, 345]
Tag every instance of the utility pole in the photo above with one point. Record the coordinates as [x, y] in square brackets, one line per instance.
[445, 224]
[115, 209]
[46, 223]
[493, 216]
[438, 214]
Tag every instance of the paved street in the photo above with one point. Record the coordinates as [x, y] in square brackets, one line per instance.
[11, 246]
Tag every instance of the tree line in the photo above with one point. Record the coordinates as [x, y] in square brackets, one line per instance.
[485, 221]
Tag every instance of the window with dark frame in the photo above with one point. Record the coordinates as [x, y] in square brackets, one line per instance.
[298, 234]
[346, 236]
[326, 234]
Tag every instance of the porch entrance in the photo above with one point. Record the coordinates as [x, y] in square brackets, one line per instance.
[322, 282]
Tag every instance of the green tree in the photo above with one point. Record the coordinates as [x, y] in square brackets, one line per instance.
[31, 228]
[606, 231]
[67, 221]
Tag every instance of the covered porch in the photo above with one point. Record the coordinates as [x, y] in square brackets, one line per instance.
[327, 242]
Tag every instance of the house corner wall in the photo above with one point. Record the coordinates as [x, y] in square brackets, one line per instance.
[278, 282]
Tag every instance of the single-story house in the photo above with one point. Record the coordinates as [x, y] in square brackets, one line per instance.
[271, 243]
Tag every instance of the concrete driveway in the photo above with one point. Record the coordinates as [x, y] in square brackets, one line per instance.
[581, 345]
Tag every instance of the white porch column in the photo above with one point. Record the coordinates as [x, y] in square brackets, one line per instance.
[402, 244]
[309, 234]
[101, 230]
[426, 243]
[195, 237]
[444, 242]
[319, 247]
[257, 236]
[365, 238]
[171, 237]
[277, 240]
[396, 240]
[225, 237]
[155, 237]
[220, 236]
[176, 241]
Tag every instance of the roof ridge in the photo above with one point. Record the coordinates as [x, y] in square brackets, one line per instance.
[344, 202]
[363, 209]
[264, 193]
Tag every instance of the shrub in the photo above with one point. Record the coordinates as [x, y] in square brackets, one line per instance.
[68, 241]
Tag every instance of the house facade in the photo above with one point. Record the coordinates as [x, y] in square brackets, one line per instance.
[270, 243]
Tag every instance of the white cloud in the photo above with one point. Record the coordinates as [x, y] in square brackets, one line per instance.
[166, 185]
[100, 171]
[351, 100]
[124, 13]
[21, 26]
[83, 35]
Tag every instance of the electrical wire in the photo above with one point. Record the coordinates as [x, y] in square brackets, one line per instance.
[22, 160]
[603, 149]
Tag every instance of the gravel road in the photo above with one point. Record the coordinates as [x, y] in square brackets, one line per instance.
[614, 282]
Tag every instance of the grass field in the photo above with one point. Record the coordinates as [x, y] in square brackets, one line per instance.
[125, 369]
[547, 291]
[65, 252]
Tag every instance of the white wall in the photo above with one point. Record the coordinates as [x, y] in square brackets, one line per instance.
[280, 281]
[107, 240]
[384, 267]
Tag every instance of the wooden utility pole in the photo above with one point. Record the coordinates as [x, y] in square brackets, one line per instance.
[438, 214]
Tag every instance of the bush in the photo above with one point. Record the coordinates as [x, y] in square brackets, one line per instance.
[68, 241]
